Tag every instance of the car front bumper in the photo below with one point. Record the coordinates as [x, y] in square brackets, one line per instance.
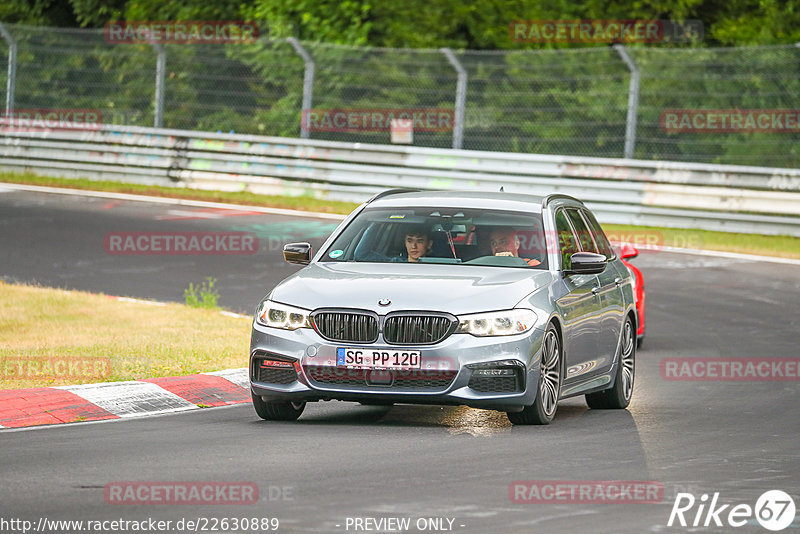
[448, 375]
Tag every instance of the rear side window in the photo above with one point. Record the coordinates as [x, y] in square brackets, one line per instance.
[599, 235]
[567, 244]
[584, 236]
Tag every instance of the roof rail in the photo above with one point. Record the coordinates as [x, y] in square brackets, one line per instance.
[555, 196]
[395, 191]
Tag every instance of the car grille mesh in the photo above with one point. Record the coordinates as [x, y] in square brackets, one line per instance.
[405, 379]
[417, 329]
[276, 376]
[494, 384]
[273, 375]
[345, 326]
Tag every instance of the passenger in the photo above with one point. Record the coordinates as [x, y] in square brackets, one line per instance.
[418, 243]
[504, 242]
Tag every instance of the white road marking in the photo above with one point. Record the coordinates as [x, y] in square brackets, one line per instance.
[131, 399]
[159, 303]
[139, 301]
[732, 255]
[237, 376]
[235, 315]
[172, 201]
[215, 213]
[187, 214]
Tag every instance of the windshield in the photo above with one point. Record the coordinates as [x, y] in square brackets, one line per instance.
[442, 235]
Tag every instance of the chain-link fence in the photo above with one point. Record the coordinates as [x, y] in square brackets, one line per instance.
[608, 101]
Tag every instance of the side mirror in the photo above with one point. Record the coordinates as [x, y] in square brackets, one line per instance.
[297, 253]
[587, 263]
[628, 251]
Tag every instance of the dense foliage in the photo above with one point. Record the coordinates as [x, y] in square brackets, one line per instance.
[539, 98]
[477, 25]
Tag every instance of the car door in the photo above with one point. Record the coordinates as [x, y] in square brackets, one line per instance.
[609, 292]
[578, 307]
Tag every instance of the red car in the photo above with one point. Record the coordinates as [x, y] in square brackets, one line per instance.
[626, 252]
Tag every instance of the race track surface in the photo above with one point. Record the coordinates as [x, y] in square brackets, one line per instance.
[344, 460]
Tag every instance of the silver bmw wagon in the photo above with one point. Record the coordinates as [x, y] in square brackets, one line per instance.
[491, 300]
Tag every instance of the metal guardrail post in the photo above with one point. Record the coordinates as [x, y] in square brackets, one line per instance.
[461, 97]
[308, 84]
[161, 71]
[12, 69]
[633, 101]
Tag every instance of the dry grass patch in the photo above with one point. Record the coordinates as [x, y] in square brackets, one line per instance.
[52, 337]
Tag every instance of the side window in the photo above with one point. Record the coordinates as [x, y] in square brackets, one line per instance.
[599, 235]
[584, 236]
[567, 244]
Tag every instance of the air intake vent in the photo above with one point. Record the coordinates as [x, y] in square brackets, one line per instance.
[412, 379]
[346, 326]
[418, 329]
[273, 370]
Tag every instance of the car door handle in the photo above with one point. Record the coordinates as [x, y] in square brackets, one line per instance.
[595, 290]
[617, 281]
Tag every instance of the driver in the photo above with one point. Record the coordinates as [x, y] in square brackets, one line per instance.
[418, 243]
[504, 242]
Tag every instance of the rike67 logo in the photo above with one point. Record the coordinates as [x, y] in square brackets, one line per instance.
[774, 510]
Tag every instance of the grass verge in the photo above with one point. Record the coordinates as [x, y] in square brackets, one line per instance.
[780, 246]
[54, 337]
[762, 245]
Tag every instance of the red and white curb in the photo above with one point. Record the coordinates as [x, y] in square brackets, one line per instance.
[119, 400]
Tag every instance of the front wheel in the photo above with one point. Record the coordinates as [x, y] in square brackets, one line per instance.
[543, 409]
[619, 396]
[277, 411]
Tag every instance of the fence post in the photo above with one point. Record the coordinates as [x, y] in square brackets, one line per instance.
[161, 71]
[308, 84]
[461, 97]
[12, 69]
[633, 100]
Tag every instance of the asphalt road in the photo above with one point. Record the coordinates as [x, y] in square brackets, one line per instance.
[343, 460]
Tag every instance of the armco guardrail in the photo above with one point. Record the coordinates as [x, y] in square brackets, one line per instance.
[656, 193]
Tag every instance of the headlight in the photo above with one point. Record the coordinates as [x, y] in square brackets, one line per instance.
[502, 323]
[283, 316]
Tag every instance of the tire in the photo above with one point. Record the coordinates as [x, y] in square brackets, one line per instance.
[619, 396]
[548, 390]
[277, 411]
[639, 342]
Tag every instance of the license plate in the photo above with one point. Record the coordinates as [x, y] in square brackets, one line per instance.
[381, 359]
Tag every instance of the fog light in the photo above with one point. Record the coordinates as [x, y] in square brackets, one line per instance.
[493, 372]
[276, 363]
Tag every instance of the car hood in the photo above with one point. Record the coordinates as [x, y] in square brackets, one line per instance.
[456, 289]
